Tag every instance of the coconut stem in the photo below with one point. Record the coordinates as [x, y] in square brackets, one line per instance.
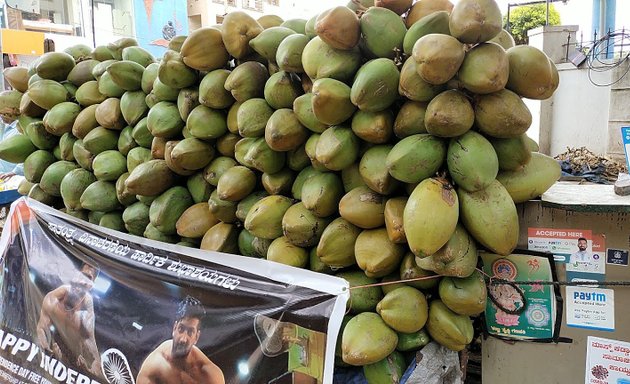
[360, 8]
[399, 57]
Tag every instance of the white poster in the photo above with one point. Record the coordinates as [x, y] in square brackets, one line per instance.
[591, 308]
[607, 361]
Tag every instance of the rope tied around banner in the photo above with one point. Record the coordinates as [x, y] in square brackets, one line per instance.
[349, 305]
[497, 281]
[513, 289]
[395, 282]
[493, 280]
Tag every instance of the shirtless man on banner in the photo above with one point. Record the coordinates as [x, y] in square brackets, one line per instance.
[65, 329]
[179, 360]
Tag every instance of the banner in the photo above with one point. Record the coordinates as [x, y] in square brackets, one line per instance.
[80, 304]
[515, 311]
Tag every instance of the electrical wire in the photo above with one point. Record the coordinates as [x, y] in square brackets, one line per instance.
[601, 48]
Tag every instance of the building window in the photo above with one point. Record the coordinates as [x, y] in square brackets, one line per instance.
[60, 16]
[218, 1]
[220, 19]
[275, 3]
[254, 5]
[231, 3]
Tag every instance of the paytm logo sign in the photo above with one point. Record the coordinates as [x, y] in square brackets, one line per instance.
[589, 296]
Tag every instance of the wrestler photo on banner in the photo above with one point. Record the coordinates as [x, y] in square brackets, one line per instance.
[179, 360]
[65, 328]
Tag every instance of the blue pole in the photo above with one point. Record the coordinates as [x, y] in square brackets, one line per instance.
[611, 6]
[611, 10]
[595, 19]
[604, 23]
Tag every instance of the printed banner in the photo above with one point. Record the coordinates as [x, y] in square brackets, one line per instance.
[86, 305]
[583, 252]
[517, 311]
[591, 308]
[560, 242]
[607, 361]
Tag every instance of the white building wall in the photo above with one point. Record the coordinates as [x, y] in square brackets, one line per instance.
[111, 21]
[288, 11]
[577, 115]
[580, 111]
[534, 129]
[63, 41]
[123, 18]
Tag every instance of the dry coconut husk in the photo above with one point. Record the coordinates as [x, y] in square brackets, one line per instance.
[583, 161]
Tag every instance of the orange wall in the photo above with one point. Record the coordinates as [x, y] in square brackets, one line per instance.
[22, 42]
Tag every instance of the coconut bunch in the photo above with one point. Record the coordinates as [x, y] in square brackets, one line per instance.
[376, 142]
